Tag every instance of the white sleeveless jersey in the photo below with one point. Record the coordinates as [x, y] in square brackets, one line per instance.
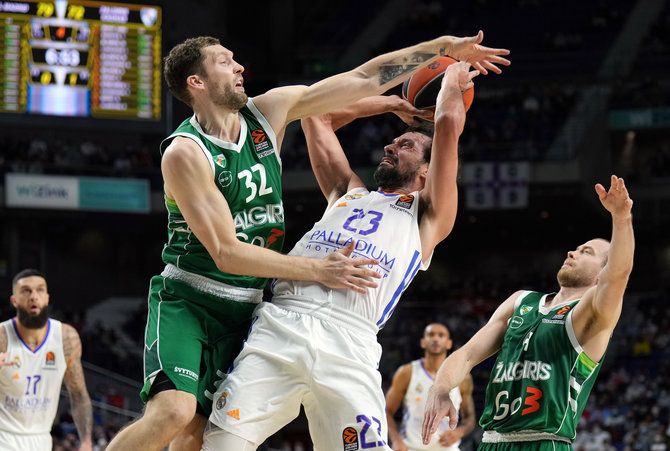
[414, 405]
[385, 227]
[31, 387]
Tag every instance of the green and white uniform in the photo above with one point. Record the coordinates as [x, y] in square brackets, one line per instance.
[198, 315]
[541, 380]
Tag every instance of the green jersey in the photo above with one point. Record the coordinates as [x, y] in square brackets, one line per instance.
[541, 379]
[248, 174]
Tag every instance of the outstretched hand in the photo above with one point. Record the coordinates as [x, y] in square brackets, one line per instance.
[481, 58]
[340, 270]
[616, 200]
[459, 73]
[438, 406]
[407, 112]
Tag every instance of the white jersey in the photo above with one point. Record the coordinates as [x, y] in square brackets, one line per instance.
[31, 387]
[385, 227]
[414, 405]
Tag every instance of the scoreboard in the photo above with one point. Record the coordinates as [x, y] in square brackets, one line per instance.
[80, 58]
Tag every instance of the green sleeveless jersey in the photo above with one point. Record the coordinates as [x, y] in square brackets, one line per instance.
[542, 378]
[248, 174]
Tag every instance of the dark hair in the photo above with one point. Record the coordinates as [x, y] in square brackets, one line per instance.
[26, 273]
[427, 129]
[185, 59]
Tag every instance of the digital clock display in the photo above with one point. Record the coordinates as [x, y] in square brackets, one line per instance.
[80, 58]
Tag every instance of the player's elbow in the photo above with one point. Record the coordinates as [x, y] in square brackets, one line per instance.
[227, 257]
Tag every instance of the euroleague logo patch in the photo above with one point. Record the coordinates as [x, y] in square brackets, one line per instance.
[50, 358]
[562, 312]
[405, 201]
[350, 439]
[261, 142]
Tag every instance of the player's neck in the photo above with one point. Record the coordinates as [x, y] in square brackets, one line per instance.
[432, 363]
[31, 337]
[566, 294]
[224, 125]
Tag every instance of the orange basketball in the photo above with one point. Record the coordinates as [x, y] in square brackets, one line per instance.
[421, 89]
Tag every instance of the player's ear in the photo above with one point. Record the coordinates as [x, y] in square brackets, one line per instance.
[194, 81]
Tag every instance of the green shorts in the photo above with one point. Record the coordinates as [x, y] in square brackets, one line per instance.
[542, 445]
[190, 335]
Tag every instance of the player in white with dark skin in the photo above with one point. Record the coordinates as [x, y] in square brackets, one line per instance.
[38, 354]
[316, 346]
[409, 388]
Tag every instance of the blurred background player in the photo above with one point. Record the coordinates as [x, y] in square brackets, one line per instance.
[409, 388]
[38, 354]
[550, 346]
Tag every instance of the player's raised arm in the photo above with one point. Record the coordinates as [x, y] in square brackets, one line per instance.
[284, 105]
[440, 194]
[598, 312]
[329, 163]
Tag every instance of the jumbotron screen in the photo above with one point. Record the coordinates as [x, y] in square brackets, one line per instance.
[80, 58]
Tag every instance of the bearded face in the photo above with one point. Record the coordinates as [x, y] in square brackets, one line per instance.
[226, 96]
[571, 277]
[390, 178]
[32, 320]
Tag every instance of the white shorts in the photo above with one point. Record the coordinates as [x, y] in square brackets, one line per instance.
[295, 358]
[25, 442]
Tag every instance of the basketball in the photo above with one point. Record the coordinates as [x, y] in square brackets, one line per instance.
[421, 88]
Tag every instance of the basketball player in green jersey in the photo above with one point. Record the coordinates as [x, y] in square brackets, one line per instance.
[221, 171]
[549, 346]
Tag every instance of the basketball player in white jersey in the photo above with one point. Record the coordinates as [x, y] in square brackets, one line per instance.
[317, 346]
[38, 354]
[410, 388]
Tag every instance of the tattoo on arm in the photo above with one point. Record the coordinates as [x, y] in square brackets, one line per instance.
[80, 402]
[397, 67]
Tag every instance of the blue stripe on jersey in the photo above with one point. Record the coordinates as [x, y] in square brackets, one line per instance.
[44, 340]
[412, 269]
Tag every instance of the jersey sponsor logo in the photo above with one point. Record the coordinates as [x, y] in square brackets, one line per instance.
[261, 143]
[350, 439]
[225, 178]
[257, 216]
[186, 373]
[515, 322]
[235, 413]
[328, 240]
[505, 407]
[274, 236]
[524, 310]
[535, 370]
[221, 402]
[405, 201]
[220, 160]
[26, 404]
[50, 358]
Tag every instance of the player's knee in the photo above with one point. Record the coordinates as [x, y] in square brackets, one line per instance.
[173, 409]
